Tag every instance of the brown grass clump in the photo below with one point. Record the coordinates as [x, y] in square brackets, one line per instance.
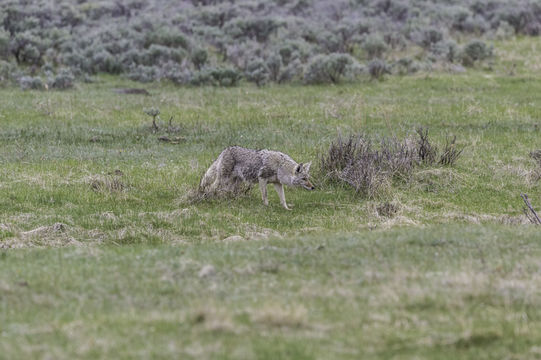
[107, 183]
[197, 195]
[370, 167]
[425, 150]
[536, 156]
[294, 316]
[366, 167]
[451, 152]
[387, 209]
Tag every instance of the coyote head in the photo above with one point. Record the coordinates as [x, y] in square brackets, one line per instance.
[300, 178]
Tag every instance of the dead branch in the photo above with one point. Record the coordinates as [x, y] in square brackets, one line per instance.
[532, 215]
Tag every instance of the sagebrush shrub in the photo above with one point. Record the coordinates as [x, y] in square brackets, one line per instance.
[216, 77]
[117, 37]
[328, 68]
[63, 80]
[475, 51]
[199, 58]
[257, 72]
[31, 83]
[374, 46]
[377, 68]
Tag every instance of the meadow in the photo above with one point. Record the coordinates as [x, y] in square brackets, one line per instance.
[104, 254]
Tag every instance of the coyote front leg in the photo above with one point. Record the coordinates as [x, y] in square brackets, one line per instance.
[280, 190]
[263, 187]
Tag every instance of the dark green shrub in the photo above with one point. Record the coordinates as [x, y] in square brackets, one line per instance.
[31, 83]
[257, 28]
[143, 73]
[4, 44]
[377, 68]
[62, 80]
[257, 72]
[274, 64]
[427, 37]
[475, 51]
[166, 36]
[374, 46]
[199, 58]
[216, 77]
[327, 68]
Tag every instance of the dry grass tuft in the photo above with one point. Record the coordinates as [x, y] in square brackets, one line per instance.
[281, 316]
[214, 320]
[44, 230]
[368, 168]
[425, 150]
[58, 234]
[536, 156]
[107, 184]
[371, 168]
[387, 209]
[451, 152]
[197, 195]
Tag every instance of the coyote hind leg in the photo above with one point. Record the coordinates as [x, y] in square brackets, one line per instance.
[263, 188]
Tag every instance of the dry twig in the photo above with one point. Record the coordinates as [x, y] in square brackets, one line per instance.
[531, 214]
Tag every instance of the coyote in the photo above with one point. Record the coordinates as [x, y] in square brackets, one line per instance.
[236, 164]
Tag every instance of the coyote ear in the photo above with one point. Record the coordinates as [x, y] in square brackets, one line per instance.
[307, 167]
[299, 168]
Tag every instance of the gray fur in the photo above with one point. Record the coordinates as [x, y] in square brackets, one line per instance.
[236, 164]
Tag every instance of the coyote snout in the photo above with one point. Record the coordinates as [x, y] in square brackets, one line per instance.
[237, 164]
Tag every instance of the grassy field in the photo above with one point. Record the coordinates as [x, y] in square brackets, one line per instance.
[147, 273]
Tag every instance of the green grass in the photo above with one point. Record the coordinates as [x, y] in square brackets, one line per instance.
[51, 154]
[454, 274]
[437, 292]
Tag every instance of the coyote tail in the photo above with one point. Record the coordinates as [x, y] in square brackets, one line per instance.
[209, 178]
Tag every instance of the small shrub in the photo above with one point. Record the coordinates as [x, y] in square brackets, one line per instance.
[327, 68]
[63, 80]
[143, 73]
[427, 37]
[199, 58]
[7, 71]
[475, 51]
[257, 71]
[374, 46]
[377, 68]
[216, 77]
[104, 61]
[451, 152]
[157, 54]
[4, 44]
[425, 150]
[446, 49]
[405, 66]
[31, 83]
[292, 72]
[274, 64]
[154, 113]
[367, 168]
